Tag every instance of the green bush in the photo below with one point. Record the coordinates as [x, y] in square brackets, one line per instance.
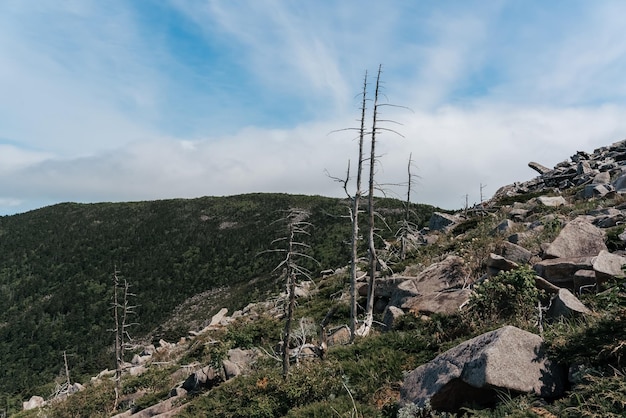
[509, 296]
[265, 394]
[260, 332]
[597, 397]
[95, 401]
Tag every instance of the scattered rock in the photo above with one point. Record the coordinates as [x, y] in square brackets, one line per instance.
[391, 317]
[584, 279]
[499, 263]
[338, 336]
[518, 214]
[449, 273]
[552, 201]
[565, 304]
[217, 318]
[543, 284]
[231, 369]
[504, 226]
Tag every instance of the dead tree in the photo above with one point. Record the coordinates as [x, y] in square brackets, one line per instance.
[294, 252]
[368, 319]
[355, 209]
[122, 309]
[406, 226]
[369, 306]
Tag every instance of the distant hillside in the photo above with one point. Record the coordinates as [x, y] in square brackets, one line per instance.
[56, 268]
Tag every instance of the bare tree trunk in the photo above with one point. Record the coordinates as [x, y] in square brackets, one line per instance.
[369, 307]
[294, 250]
[118, 339]
[121, 311]
[291, 294]
[355, 220]
[287, 331]
[67, 371]
[407, 211]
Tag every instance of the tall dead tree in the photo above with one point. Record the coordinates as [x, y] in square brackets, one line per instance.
[356, 201]
[354, 210]
[292, 265]
[122, 309]
[369, 306]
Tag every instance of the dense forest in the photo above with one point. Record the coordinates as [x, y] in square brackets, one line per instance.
[57, 264]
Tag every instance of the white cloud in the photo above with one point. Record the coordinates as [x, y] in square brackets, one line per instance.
[455, 150]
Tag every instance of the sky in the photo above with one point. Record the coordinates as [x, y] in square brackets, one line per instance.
[130, 100]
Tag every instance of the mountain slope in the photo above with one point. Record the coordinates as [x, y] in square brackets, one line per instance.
[57, 264]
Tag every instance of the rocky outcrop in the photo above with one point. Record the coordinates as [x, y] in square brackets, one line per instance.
[508, 359]
[600, 173]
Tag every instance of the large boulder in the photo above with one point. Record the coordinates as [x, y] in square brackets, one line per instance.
[395, 288]
[608, 266]
[442, 221]
[496, 263]
[391, 317]
[446, 302]
[561, 271]
[577, 239]
[515, 253]
[449, 273]
[508, 359]
[204, 378]
[551, 201]
[33, 402]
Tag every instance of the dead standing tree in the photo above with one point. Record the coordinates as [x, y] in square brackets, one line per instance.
[354, 213]
[121, 312]
[294, 253]
[406, 226]
[368, 320]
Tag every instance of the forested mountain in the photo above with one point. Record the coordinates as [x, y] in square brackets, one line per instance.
[56, 268]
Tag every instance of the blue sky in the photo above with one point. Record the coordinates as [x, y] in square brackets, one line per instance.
[150, 99]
